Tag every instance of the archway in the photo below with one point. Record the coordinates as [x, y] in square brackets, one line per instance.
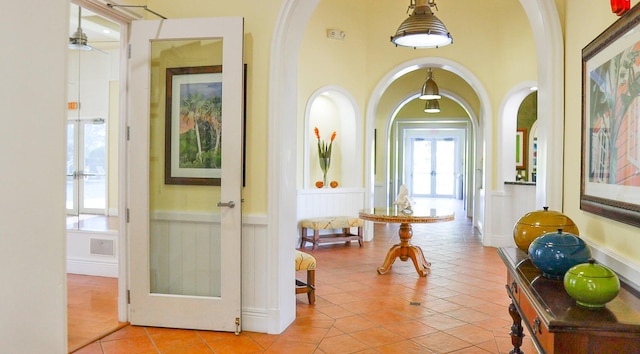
[283, 73]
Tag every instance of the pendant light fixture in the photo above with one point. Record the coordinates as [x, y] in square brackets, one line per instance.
[430, 89]
[422, 29]
[432, 106]
[79, 39]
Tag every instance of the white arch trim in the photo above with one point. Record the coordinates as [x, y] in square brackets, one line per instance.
[547, 35]
[507, 117]
[454, 97]
[346, 100]
[285, 46]
[482, 130]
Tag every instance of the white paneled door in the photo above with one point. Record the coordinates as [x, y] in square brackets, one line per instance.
[184, 168]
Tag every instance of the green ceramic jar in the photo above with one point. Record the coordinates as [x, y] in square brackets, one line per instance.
[591, 285]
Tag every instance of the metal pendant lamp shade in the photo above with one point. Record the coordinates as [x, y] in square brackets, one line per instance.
[432, 106]
[430, 89]
[422, 29]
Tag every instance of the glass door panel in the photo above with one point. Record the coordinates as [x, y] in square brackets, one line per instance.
[421, 161]
[185, 109]
[93, 185]
[431, 164]
[445, 167]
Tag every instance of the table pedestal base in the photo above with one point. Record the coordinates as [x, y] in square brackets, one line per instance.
[406, 250]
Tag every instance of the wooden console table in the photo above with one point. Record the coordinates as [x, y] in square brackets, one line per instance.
[558, 325]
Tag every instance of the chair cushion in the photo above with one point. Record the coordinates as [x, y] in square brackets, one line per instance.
[305, 261]
[329, 223]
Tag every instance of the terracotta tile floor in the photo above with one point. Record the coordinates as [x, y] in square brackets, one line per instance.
[461, 307]
[92, 308]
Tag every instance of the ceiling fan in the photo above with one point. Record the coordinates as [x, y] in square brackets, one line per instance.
[78, 39]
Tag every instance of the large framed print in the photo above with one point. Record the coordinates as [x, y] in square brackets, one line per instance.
[610, 170]
[193, 125]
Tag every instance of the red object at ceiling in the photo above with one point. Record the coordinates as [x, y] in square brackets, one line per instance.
[619, 7]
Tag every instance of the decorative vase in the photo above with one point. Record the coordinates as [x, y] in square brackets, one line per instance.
[325, 163]
[539, 222]
[554, 253]
[591, 285]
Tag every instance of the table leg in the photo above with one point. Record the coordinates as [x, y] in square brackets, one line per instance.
[406, 250]
[516, 330]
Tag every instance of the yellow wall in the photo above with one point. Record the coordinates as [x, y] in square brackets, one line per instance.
[492, 39]
[260, 17]
[614, 236]
[499, 51]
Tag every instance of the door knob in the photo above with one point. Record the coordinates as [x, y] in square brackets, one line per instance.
[231, 204]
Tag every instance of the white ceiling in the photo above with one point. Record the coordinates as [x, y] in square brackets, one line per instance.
[97, 28]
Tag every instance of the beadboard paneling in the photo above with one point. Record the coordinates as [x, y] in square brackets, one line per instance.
[321, 202]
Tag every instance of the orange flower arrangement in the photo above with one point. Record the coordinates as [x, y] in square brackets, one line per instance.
[324, 154]
[324, 149]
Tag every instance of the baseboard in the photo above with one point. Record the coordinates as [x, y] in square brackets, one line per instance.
[92, 267]
[498, 241]
[254, 320]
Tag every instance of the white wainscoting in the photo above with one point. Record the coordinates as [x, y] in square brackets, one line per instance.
[185, 254]
[254, 258]
[80, 259]
[506, 209]
[321, 202]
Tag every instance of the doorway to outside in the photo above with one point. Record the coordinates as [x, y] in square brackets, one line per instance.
[433, 162]
[92, 120]
[86, 166]
[93, 112]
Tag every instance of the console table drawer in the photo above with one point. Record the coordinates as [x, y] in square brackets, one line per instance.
[542, 337]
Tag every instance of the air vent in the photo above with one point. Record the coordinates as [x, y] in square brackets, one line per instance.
[102, 247]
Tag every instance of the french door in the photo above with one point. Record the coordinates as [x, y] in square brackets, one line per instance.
[433, 164]
[185, 172]
[86, 167]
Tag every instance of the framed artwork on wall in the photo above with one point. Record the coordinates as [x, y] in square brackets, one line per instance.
[193, 125]
[521, 149]
[610, 169]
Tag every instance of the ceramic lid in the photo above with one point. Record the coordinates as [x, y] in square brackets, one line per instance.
[560, 239]
[546, 217]
[592, 270]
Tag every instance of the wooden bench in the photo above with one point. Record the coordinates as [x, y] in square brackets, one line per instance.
[342, 223]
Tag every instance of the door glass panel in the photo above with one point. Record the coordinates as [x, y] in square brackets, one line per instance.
[445, 166]
[72, 206]
[431, 169]
[94, 175]
[184, 219]
[421, 166]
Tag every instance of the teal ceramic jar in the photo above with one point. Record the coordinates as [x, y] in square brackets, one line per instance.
[554, 253]
[591, 285]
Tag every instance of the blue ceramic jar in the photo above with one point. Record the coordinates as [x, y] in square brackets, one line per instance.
[554, 253]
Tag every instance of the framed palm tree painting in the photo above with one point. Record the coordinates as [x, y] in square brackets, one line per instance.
[193, 125]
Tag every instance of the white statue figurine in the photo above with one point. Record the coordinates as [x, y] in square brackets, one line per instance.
[404, 201]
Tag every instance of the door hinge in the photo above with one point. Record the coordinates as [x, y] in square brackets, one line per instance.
[127, 215]
[129, 297]
[237, 326]
[128, 133]
[129, 51]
